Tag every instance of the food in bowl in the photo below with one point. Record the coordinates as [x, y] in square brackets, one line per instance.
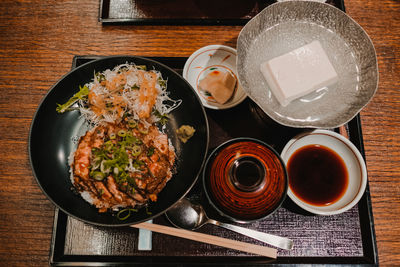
[115, 166]
[327, 173]
[124, 160]
[220, 84]
[210, 60]
[285, 26]
[299, 72]
[126, 92]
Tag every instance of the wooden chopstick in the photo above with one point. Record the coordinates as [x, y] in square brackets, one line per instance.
[210, 239]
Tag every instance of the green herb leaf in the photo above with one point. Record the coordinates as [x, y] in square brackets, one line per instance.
[163, 117]
[100, 77]
[82, 94]
[162, 83]
[135, 87]
[150, 152]
[141, 67]
[147, 211]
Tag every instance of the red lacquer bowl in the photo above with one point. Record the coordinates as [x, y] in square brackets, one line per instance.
[245, 179]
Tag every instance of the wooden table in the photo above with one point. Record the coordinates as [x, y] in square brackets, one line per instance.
[38, 40]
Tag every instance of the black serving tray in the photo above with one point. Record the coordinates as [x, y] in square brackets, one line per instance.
[347, 238]
[180, 12]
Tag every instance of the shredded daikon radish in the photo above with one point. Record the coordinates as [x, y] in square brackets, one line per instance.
[127, 90]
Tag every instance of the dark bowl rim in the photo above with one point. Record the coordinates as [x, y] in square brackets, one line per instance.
[235, 140]
[52, 88]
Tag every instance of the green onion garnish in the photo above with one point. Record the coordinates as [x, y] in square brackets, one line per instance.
[122, 133]
[136, 150]
[120, 214]
[99, 176]
[132, 124]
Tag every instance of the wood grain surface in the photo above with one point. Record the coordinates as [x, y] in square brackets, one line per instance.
[38, 39]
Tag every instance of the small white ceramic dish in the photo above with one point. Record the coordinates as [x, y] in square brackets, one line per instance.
[210, 58]
[354, 162]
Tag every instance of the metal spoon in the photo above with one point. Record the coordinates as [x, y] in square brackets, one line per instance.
[190, 216]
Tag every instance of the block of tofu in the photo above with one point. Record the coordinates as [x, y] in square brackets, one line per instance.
[299, 72]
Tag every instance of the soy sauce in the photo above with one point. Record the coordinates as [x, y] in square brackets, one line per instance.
[317, 175]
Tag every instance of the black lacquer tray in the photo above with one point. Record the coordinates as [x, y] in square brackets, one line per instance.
[189, 12]
[348, 238]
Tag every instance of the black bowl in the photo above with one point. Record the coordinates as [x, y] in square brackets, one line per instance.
[53, 136]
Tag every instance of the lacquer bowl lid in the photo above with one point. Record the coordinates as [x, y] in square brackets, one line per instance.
[245, 179]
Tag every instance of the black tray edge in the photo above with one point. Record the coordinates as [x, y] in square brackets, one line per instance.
[366, 205]
[58, 258]
[105, 20]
